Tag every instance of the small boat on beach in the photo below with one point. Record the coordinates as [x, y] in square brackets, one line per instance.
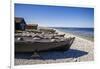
[31, 38]
[38, 43]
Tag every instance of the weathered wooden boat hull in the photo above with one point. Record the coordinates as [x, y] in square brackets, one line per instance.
[42, 46]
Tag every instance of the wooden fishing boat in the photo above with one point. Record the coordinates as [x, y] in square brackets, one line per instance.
[31, 44]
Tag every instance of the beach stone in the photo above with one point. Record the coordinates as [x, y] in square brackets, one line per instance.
[81, 50]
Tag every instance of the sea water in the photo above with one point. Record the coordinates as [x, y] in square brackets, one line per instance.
[86, 33]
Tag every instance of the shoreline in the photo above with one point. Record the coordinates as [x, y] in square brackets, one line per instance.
[81, 50]
[72, 35]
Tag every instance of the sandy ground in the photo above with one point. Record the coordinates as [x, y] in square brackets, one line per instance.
[81, 50]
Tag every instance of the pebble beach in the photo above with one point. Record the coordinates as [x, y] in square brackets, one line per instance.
[81, 50]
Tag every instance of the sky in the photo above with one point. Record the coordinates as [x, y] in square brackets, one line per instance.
[55, 16]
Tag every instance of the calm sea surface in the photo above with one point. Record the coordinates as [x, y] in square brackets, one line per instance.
[87, 33]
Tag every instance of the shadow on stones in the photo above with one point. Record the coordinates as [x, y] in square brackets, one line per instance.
[71, 53]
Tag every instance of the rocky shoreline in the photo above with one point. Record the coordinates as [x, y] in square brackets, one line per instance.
[81, 50]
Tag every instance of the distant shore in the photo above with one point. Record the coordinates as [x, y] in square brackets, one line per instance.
[81, 50]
